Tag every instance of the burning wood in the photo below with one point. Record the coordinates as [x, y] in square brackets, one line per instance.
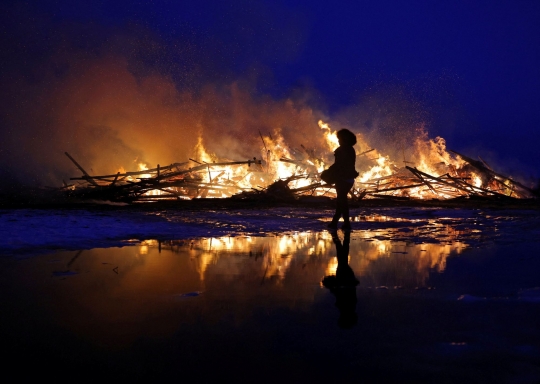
[179, 181]
[288, 173]
[174, 181]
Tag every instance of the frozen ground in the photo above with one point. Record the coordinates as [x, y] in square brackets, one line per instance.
[29, 231]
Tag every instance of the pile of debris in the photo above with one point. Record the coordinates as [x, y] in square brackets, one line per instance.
[195, 179]
[409, 182]
[174, 181]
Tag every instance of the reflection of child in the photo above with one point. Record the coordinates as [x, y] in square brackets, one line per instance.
[344, 170]
[343, 284]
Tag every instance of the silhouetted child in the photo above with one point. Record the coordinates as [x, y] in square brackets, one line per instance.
[344, 173]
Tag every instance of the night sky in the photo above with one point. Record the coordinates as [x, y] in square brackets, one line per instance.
[469, 69]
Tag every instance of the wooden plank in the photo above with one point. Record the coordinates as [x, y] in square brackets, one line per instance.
[455, 186]
[365, 152]
[487, 191]
[398, 188]
[483, 167]
[417, 174]
[87, 177]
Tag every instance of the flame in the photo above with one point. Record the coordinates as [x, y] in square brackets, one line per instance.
[331, 138]
[144, 167]
[300, 166]
[201, 153]
[477, 180]
[381, 169]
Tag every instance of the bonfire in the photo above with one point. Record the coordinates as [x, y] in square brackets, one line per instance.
[431, 172]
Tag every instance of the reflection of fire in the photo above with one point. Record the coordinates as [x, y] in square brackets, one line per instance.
[276, 254]
[379, 262]
[159, 282]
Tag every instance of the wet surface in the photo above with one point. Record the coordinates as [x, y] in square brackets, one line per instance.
[29, 232]
[438, 298]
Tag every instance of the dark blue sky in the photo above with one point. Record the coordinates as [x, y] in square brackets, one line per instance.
[472, 65]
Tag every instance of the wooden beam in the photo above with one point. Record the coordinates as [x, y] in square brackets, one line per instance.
[87, 177]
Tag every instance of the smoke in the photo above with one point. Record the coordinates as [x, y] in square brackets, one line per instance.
[390, 119]
[106, 117]
[118, 95]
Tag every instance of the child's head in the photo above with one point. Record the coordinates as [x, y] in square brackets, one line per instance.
[346, 137]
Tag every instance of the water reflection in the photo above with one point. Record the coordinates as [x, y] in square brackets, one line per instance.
[270, 257]
[380, 262]
[152, 287]
[424, 230]
[343, 283]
